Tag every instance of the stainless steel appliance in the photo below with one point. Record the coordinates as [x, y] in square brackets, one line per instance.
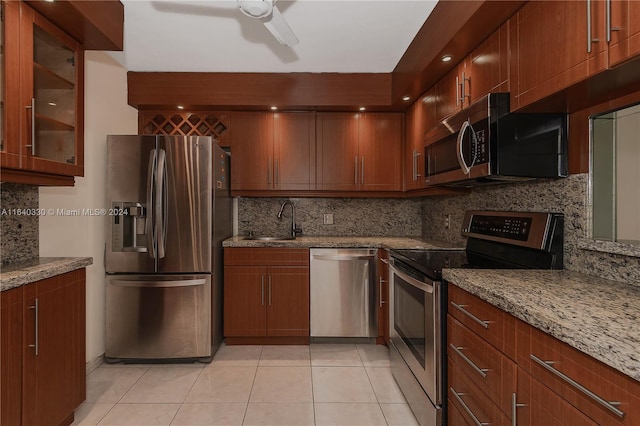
[172, 209]
[342, 292]
[417, 312]
[485, 143]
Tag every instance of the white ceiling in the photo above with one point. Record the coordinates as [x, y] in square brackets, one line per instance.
[345, 36]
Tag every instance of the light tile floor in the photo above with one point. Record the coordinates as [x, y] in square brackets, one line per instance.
[320, 384]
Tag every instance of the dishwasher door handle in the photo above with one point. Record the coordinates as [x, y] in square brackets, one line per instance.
[344, 257]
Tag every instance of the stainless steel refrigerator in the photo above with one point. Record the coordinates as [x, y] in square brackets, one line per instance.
[171, 206]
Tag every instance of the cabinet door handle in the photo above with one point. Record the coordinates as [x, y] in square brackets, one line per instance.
[464, 93]
[414, 175]
[590, 39]
[458, 350]
[355, 168]
[32, 107]
[36, 345]
[269, 171]
[262, 290]
[417, 174]
[362, 171]
[514, 409]
[462, 309]
[609, 405]
[459, 396]
[269, 290]
[277, 171]
[382, 302]
[609, 27]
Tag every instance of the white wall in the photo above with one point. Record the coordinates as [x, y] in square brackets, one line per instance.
[106, 112]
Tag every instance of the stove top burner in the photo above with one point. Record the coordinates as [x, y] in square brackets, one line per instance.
[431, 262]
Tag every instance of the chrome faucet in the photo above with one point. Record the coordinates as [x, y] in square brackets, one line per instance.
[294, 229]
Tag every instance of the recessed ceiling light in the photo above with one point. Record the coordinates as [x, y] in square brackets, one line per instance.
[362, 108]
[446, 58]
[52, 104]
[406, 98]
[180, 106]
[274, 108]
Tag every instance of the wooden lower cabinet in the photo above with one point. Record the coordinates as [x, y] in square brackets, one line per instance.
[383, 297]
[527, 377]
[47, 333]
[538, 405]
[266, 301]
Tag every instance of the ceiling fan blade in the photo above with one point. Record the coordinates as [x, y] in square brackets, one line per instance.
[279, 28]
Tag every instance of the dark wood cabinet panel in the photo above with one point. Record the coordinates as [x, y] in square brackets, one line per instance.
[11, 359]
[419, 118]
[288, 301]
[383, 298]
[487, 68]
[252, 150]
[380, 142]
[625, 37]
[266, 293]
[43, 89]
[245, 312]
[337, 152]
[54, 348]
[294, 151]
[448, 93]
[537, 405]
[550, 47]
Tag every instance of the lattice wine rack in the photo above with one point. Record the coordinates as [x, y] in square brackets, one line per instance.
[199, 123]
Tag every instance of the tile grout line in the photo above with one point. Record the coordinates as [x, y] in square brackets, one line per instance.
[246, 409]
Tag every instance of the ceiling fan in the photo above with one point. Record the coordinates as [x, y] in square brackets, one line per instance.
[268, 13]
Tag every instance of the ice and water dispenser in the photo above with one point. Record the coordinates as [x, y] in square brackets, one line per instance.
[129, 228]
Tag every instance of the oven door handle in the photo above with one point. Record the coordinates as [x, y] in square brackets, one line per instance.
[420, 285]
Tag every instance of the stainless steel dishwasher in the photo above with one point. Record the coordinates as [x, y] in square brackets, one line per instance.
[343, 292]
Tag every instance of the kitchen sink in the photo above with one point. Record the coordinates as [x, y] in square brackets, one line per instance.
[252, 238]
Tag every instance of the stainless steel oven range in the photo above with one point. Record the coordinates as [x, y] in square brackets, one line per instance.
[417, 312]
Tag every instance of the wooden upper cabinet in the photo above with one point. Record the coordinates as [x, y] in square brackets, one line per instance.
[625, 31]
[337, 153]
[294, 151]
[552, 47]
[448, 97]
[420, 118]
[252, 151]
[359, 152]
[487, 68]
[272, 152]
[44, 100]
[380, 143]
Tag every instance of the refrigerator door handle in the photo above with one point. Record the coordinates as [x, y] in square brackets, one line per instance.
[161, 202]
[151, 217]
[156, 284]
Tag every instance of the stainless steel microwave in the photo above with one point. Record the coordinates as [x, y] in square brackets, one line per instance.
[485, 143]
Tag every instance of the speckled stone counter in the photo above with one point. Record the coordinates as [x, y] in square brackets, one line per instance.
[18, 274]
[596, 316]
[345, 242]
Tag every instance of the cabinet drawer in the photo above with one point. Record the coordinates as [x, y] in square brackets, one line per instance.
[581, 380]
[489, 369]
[539, 405]
[492, 324]
[268, 256]
[474, 405]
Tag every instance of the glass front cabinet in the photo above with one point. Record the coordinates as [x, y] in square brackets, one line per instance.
[42, 98]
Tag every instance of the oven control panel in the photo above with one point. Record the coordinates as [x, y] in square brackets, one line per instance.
[508, 227]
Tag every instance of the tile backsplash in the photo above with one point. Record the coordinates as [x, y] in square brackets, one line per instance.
[351, 217]
[18, 232]
[568, 196]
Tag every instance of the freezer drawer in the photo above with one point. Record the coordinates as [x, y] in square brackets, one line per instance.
[158, 317]
[342, 292]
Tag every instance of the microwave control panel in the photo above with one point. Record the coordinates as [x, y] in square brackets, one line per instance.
[481, 148]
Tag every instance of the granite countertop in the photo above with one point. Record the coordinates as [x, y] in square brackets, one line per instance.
[344, 242]
[18, 274]
[594, 315]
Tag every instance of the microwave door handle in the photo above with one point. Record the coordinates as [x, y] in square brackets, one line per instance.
[151, 216]
[465, 168]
